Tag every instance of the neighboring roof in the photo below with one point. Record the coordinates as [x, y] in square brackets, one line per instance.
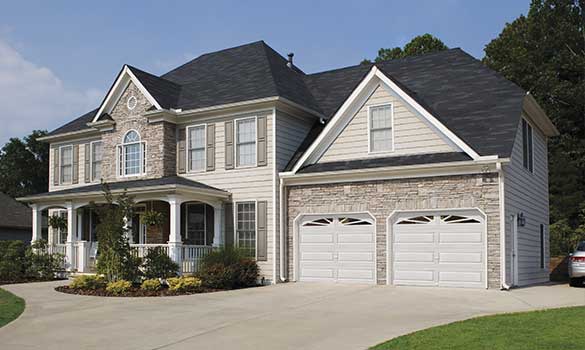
[475, 103]
[168, 180]
[14, 214]
[371, 163]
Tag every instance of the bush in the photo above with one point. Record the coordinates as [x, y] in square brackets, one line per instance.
[228, 268]
[183, 284]
[158, 264]
[40, 264]
[88, 282]
[151, 285]
[12, 260]
[119, 287]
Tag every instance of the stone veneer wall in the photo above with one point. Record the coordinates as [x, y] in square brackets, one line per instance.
[382, 197]
[160, 139]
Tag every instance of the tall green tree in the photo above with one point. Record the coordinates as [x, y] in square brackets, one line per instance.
[24, 165]
[544, 53]
[418, 45]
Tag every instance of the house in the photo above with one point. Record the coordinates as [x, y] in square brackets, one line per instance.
[15, 220]
[429, 170]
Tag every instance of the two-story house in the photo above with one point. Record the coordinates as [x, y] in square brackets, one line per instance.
[429, 170]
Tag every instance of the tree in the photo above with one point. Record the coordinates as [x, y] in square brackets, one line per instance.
[544, 53]
[418, 45]
[24, 165]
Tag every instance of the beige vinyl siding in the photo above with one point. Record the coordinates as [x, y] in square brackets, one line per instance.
[250, 183]
[412, 135]
[81, 164]
[527, 193]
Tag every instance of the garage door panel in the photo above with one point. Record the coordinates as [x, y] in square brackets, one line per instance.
[317, 273]
[315, 237]
[414, 237]
[317, 256]
[414, 275]
[413, 256]
[459, 276]
[366, 237]
[460, 237]
[460, 257]
[355, 256]
[356, 274]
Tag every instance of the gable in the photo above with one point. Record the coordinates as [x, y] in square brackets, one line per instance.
[121, 112]
[412, 134]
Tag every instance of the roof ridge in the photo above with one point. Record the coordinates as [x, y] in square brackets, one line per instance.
[152, 75]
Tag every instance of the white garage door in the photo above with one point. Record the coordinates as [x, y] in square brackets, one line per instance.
[439, 249]
[335, 248]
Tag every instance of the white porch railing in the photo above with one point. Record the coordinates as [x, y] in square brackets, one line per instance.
[140, 250]
[192, 256]
[57, 249]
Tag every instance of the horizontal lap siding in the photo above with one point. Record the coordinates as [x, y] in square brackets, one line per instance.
[411, 134]
[527, 193]
[81, 164]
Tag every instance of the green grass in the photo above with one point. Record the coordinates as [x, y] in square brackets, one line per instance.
[11, 307]
[548, 329]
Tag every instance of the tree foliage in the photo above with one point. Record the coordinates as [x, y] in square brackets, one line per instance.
[24, 165]
[418, 45]
[544, 53]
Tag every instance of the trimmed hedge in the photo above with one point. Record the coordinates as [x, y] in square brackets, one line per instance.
[228, 268]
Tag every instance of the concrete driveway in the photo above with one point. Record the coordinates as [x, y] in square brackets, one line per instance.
[287, 316]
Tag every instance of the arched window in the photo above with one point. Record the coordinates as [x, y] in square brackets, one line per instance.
[131, 155]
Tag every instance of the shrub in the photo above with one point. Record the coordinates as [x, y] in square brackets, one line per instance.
[119, 287]
[151, 285]
[224, 256]
[183, 284]
[88, 282]
[228, 268]
[12, 260]
[158, 264]
[40, 264]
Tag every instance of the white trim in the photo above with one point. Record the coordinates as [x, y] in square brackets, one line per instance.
[124, 77]
[296, 229]
[236, 120]
[61, 182]
[369, 116]
[390, 237]
[91, 144]
[514, 250]
[503, 250]
[275, 180]
[121, 172]
[187, 149]
[235, 214]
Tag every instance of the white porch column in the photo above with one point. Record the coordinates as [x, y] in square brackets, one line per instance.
[175, 239]
[218, 233]
[128, 229]
[36, 223]
[70, 249]
[79, 225]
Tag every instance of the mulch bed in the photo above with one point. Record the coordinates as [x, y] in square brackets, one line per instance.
[31, 280]
[134, 292]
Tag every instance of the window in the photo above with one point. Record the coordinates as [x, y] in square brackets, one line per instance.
[246, 227]
[59, 234]
[96, 161]
[541, 246]
[195, 232]
[246, 142]
[196, 151]
[66, 162]
[131, 154]
[527, 156]
[380, 124]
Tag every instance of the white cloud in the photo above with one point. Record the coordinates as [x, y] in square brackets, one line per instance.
[33, 97]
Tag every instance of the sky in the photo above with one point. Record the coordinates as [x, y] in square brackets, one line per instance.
[59, 58]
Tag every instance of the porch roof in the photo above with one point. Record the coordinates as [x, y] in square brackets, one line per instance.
[163, 184]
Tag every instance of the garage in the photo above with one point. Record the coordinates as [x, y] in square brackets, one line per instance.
[444, 249]
[336, 248]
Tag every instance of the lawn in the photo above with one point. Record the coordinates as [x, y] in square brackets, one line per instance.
[11, 307]
[548, 329]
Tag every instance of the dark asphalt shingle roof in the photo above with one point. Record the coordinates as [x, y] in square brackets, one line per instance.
[475, 103]
[370, 163]
[168, 180]
[14, 214]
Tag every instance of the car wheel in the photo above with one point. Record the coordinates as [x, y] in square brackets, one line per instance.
[576, 282]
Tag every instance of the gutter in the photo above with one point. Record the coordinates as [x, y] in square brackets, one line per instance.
[503, 256]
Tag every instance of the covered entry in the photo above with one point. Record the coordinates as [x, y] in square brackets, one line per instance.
[443, 248]
[336, 248]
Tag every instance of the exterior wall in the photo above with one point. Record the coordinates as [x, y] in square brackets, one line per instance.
[527, 193]
[82, 157]
[15, 234]
[412, 135]
[382, 197]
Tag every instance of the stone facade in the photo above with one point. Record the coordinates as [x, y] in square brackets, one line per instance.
[160, 139]
[382, 197]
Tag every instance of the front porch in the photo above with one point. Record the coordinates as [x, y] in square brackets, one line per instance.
[193, 221]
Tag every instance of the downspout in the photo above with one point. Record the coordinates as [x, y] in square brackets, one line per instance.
[282, 225]
[503, 255]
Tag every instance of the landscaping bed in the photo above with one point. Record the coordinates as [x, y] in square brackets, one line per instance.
[134, 291]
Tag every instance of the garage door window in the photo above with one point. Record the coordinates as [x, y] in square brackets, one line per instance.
[416, 220]
[456, 219]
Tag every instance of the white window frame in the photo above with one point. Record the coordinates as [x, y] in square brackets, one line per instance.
[121, 163]
[58, 234]
[61, 182]
[530, 149]
[369, 116]
[187, 205]
[188, 149]
[236, 143]
[235, 215]
[91, 160]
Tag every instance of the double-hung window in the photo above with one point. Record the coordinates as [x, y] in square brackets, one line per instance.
[246, 142]
[246, 227]
[131, 154]
[380, 124]
[66, 167]
[96, 161]
[527, 155]
[196, 151]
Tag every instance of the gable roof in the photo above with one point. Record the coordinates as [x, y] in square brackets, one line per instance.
[14, 214]
[475, 103]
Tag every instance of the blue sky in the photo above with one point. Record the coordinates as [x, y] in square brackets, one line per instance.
[58, 58]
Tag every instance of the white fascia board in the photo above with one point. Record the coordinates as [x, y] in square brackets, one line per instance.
[114, 94]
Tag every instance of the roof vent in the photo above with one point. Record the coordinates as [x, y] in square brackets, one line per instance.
[289, 64]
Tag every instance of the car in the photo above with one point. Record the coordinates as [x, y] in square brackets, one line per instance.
[577, 266]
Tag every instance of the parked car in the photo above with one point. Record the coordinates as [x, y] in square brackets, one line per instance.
[577, 266]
